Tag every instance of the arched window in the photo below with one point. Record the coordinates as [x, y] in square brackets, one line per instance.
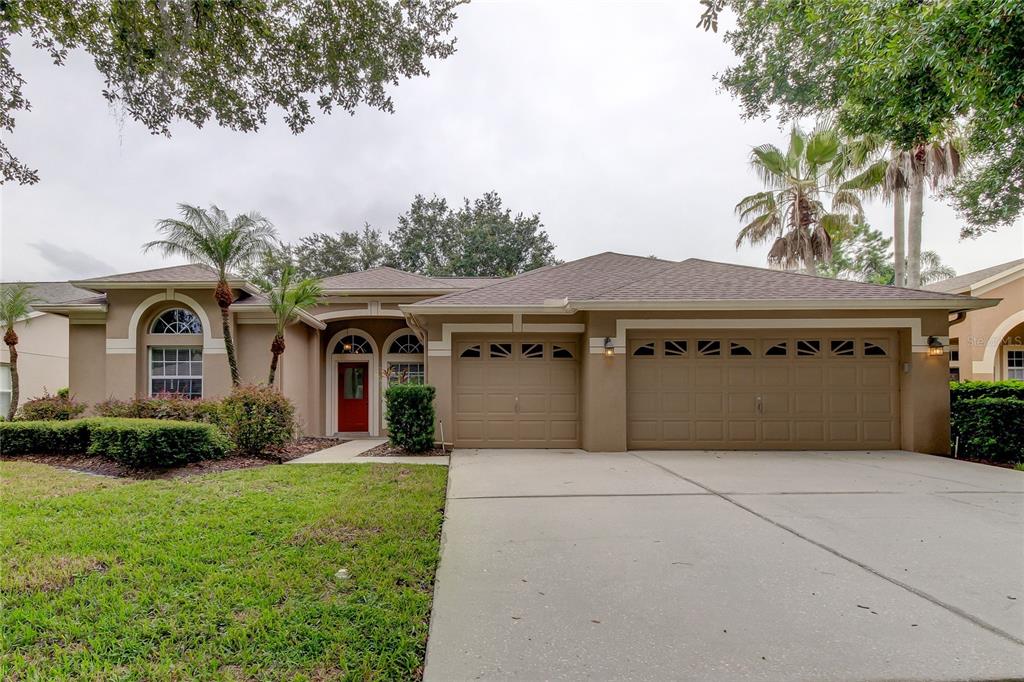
[177, 321]
[353, 345]
[406, 344]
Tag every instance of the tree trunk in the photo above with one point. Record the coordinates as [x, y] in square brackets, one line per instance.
[914, 232]
[224, 297]
[13, 348]
[899, 236]
[276, 349]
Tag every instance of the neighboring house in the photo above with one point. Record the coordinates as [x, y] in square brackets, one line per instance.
[988, 344]
[606, 353]
[42, 346]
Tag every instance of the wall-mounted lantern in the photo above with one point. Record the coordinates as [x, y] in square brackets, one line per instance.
[609, 346]
[935, 346]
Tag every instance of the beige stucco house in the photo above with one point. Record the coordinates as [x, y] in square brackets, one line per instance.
[42, 348]
[605, 353]
[988, 344]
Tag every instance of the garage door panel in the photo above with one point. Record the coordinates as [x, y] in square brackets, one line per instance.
[518, 393]
[816, 390]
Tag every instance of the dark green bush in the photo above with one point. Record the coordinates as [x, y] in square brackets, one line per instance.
[410, 416]
[256, 418]
[174, 407]
[45, 437]
[989, 428]
[156, 442]
[61, 406]
[964, 390]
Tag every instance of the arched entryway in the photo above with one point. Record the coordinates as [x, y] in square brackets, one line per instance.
[352, 381]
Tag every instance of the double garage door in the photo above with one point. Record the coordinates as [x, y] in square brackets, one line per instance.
[687, 390]
[517, 391]
[772, 390]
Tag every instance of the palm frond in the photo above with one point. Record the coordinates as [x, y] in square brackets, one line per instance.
[769, 163]
[15, 303]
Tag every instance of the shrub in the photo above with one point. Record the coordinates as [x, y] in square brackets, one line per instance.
[989, 428]
[61, 407]
[45, 437]
[410, 416]
[964, 390]
[156, 442]
[168, 406]
[256, 418]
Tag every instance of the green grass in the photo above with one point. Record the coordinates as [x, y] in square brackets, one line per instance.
[223, 577]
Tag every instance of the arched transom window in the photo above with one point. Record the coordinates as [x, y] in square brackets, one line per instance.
[353, 345]
[177, 321]
[406, 344]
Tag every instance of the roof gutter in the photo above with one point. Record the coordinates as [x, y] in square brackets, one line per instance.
[65, 308]
[301, 314]
[555, 308]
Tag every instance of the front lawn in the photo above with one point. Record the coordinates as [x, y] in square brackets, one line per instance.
[230, 576]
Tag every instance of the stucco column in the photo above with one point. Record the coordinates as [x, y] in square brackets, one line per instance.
[439, 375]
[603, 402]
[924, 399]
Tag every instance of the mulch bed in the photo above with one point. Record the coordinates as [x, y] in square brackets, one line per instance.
[95, 464]
[387, 450]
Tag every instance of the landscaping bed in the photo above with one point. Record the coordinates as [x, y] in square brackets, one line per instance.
[389, 450]
[269, 573]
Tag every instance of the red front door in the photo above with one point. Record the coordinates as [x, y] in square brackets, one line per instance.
[353, 397]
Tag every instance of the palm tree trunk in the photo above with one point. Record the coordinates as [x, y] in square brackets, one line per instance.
[276, 349]
[914, 221]
[224, 298]
[13, 349]
[899, 236]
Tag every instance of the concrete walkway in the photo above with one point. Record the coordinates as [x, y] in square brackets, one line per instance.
[755, 566]
[349, 453]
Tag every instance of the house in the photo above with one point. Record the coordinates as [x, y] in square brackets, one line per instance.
[42, 347]
[607, 353]
[988, 344]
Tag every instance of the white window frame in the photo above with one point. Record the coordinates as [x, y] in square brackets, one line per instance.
[1006, 360]
[190, 377]
[199, 321]
[6, 388]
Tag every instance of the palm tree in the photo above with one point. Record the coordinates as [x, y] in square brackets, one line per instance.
[210, 237]
[15, 306]
[287, 300]
[792, 211]
[901, 176]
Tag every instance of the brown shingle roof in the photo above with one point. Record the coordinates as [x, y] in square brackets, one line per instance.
[381, 279]
[963, 283]
[467, 282]
[174, 273]
[612, 277]
[58, 292]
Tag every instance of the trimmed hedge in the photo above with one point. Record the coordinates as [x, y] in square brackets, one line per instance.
[410, 416]
[257, 417]
[168, 406]
[61, 406]
[137, 442]
[45, 437]
[987, 419]
[156, 442]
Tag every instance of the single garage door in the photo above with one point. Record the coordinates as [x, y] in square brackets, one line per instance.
[768, 390]
[516, 391]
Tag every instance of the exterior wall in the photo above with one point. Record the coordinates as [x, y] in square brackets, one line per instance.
[924, 394]
[983, 333]
[88, 362]
[252, 346]
[296, 374]
[42, 355]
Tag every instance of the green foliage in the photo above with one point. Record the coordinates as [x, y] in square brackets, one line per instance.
[162, 407]
[410, 416]
[156, 442]
[230, 62]
[60, 407]
[864, 255]
[989, 428]
[45, 437]
[907, 72]
[256, 418]
[965, 390]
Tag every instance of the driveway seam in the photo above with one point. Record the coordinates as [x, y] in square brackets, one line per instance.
[860, 564]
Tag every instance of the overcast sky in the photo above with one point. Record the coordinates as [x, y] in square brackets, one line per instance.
[604, 118]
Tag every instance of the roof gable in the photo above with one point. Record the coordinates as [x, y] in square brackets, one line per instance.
[191, 272]
[383, 278]
[964, 283]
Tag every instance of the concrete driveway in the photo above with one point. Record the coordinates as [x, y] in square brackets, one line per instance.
[728, 566]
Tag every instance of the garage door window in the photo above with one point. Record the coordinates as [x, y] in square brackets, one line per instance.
[501, 350]
[808, 348]
[841, 348]
[562, 352]
[739, 349]
[532, 351]
[875, 349]
[776, 349]
[709, 348]
[675, 349]
[472, 351]
[644, 349]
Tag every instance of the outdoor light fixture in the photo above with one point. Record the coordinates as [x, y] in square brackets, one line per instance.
[935, 346]
[346, 347]
[609, 346]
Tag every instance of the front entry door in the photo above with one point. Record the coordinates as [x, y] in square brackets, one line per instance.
[353, 397]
